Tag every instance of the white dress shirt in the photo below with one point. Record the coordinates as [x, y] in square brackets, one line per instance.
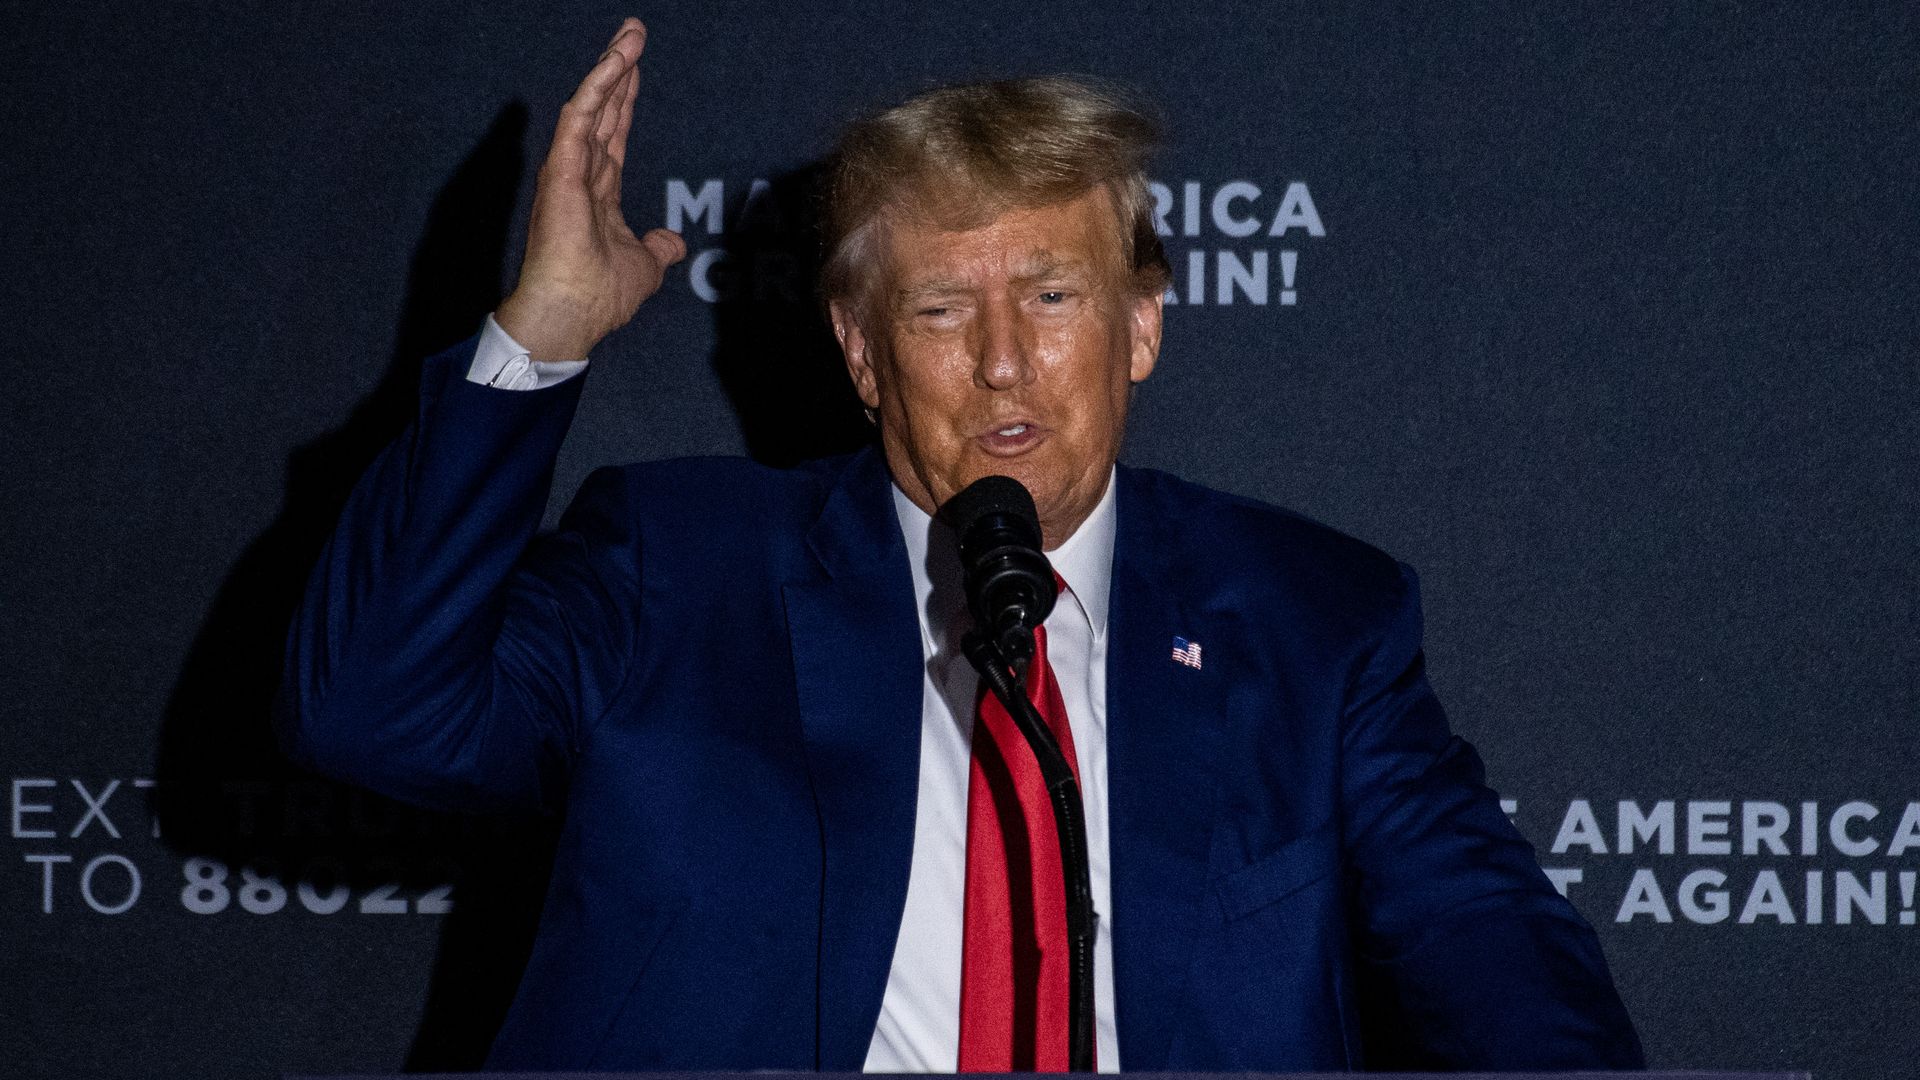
[919, 1026]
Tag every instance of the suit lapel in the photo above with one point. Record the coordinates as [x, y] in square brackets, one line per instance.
[1162, 727]
[857, 672]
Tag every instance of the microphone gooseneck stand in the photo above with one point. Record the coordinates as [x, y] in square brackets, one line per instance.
[1070, 820]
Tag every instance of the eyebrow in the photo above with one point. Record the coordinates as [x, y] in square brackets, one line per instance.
[1044, 265]
[929, 290]
[1041, 266]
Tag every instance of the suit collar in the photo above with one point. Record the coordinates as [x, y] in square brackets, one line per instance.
[1085, 560]
[856, 535]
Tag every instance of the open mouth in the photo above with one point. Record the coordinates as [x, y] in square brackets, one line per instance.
[1014, 438]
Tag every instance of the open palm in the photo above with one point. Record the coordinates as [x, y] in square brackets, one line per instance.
[585, 272]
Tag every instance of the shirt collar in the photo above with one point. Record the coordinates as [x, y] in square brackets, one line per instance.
[1084, 561]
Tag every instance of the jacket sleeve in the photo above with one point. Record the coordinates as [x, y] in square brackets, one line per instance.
[441, 654]
[1475, 958]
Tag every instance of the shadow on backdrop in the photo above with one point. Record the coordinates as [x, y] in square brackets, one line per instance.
[773, 350]
[225, 793]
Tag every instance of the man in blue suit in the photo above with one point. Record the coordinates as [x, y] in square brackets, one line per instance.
[739, 685]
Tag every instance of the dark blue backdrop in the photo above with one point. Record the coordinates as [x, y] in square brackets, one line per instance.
[1604, 320]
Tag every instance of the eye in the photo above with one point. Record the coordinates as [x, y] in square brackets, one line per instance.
[933, 312]
[1055, 296]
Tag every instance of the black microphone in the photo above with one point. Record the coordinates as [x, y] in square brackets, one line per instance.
[1009, 583]
[1010, 589]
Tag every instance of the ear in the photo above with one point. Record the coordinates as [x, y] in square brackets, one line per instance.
[857, 348]
[1146, 316]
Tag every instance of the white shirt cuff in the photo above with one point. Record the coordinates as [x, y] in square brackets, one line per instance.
[503, 362]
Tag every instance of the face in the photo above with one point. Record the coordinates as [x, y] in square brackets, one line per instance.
[1009, 349]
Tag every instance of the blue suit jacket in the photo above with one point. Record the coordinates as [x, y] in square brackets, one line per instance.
[713, 671]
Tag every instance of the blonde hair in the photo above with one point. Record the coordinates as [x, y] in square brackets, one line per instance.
[959, 156]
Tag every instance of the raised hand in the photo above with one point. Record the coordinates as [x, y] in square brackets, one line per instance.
[585, 273]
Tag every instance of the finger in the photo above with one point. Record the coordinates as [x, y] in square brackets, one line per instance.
[580, 116]
[604, 182]
[603, 132]
[607, 72]
[666, 246]
[616, 142]
[630, 40]
[609, 151]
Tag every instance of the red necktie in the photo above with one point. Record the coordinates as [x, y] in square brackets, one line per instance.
[1014, 973]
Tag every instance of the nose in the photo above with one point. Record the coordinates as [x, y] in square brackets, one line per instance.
[1003, 355]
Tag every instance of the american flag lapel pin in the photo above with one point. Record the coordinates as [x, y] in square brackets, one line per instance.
[1186, 652]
